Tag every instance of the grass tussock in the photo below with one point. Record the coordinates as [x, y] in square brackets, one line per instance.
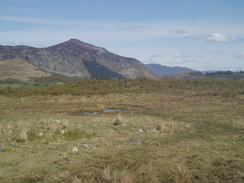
[119, 120]
[119, 177]
[182, 175]
[23, 136]
[158, 127]
[125, 177]
[148, 175]
[100, 107]
[106, 174]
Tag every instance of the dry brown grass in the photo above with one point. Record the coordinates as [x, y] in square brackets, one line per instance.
[23, 136]
[158, 127]
[19, 69]
[119, 120]
[100, 107]
[200, 138]
[125, 177]
[182, 174]
[148, 175]
[106, 174]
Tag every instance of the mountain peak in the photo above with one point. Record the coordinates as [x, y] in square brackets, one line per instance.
[76, 41]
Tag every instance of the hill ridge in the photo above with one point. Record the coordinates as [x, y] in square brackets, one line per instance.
[69, 57]
[165, 71]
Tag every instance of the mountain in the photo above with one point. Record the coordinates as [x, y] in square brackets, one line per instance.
[77, 59]
[165, 71]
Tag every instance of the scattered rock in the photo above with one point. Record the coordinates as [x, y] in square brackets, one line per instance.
[40, 134]
[140, 130]
[74, 149]
[132, 140]
[62, 132]
[86, 146]
[48, 127]
[2, 147]
[57, 121]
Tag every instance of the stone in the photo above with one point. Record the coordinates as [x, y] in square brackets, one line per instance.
[86, 146]
[132, 140]
[57, 121]
[74, 149]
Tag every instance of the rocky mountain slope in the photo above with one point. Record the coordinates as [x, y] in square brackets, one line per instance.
[78, 59]
[164, 71]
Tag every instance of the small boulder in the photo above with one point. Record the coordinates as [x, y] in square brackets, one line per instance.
[40, 134]
[86, 146]
[74, 149]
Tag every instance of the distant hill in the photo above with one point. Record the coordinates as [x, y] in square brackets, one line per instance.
[225, 74]
[164, 71]
[216, 75]
[75, 58]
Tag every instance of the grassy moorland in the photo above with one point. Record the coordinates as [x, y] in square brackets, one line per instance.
[168, 130]
[24, 69]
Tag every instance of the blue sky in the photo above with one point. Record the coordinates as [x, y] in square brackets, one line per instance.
[200, 34]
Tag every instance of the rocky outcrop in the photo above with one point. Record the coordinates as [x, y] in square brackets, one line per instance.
[69, 59]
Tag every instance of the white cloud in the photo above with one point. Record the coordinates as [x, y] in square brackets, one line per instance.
[182, 55]
[216, 37]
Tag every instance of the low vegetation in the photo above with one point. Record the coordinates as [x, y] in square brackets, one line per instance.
[217, 75]
[19, 69]
[166, 130]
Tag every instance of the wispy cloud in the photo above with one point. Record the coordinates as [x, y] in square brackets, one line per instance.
[240, 55]
[182, 55]
[155, 58]
[46, 21]
[132, 27]
[215, 37]
[157, 55]
[182, 62]
[130, 45]
[178, 31]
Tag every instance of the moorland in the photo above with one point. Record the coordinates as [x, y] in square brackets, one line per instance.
[123, 130]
